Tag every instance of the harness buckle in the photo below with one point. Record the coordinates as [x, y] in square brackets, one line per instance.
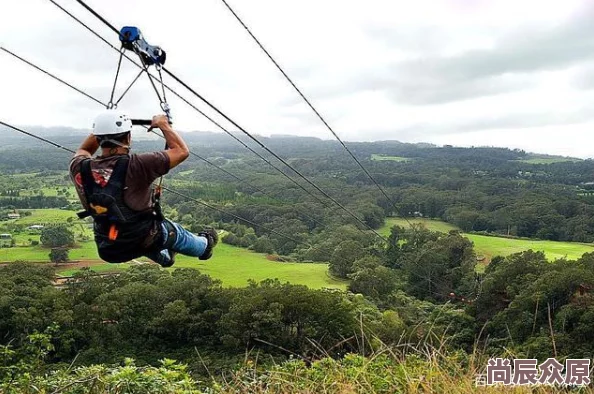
[99, 210]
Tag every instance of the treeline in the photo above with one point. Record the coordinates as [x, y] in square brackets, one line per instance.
[477, 189]
[33, 202]
[148, 313]
[421, 288]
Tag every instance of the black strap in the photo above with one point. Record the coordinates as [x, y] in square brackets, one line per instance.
[88, 182]
[116, 180]
[118, 175]
[114, 186]
[83, 214]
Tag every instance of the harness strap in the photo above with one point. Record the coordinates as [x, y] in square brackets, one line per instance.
[88, 181]
[118, 175]
[114, 187]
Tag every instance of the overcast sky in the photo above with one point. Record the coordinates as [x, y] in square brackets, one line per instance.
[516, 73]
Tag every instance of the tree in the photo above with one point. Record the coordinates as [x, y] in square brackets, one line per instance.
[230, 239]
[442, 265]
[341, 263]
[394, 253]
[263, 245]
[372, 279]
[59, 255]
[57, 236]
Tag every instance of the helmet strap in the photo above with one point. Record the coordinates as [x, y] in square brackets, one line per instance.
[129, 147]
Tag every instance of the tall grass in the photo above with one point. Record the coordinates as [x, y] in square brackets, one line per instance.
[403, 368]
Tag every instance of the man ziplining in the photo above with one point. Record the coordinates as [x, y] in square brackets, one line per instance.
[115, 188]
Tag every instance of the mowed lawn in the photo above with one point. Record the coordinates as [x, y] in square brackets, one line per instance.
[499, 246]
[47, 216]
[549, 160]
[432, 225]
[83, 251]
[235, 266]
[496, 246]
[232, 265]
[389, 158]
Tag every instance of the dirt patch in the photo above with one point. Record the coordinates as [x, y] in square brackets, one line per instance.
[70, 264]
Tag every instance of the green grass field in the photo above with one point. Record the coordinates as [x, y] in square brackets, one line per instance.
[493, 246]
[47, 216]
[549, 160]
[433, 225]
[232, 265]
[235, 266]
[50, 192]
[85, 251]
[389, 158]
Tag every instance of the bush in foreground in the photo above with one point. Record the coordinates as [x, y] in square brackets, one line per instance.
[384, 372]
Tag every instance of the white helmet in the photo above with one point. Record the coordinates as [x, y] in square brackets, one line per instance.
[111, 122]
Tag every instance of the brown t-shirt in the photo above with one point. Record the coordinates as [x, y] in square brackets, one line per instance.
[143, 169]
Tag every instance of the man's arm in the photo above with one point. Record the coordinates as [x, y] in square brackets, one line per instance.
[178, 150]
[88, 147]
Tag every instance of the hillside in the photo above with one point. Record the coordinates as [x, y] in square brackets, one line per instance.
[354, 297]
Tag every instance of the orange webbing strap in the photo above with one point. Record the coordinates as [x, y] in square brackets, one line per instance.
[113, 232]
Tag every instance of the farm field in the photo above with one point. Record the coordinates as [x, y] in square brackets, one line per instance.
[234, 266]
[389, 158]
[499, 246]
[47, 216]
[51, 192]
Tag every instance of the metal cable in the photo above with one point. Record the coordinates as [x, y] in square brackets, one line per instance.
[253, 187]
[282, 71]
[268, 230]
[217, 110]
[190, 104]
[115, 81]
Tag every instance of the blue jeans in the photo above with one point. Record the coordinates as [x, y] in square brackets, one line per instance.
[186, 243]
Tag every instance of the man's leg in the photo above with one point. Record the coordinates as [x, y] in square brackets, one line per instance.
[188, 243]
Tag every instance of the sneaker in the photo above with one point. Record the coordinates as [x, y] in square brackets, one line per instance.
[213, 238]
[170, 261]
[171, 257]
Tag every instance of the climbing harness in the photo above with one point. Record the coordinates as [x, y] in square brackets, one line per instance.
[120, 231]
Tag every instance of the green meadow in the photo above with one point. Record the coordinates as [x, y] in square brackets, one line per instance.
[46, 216]
[489, 247]
[389, 158]
[432, 225]
[236, 266]
[549, 160]
[232, 265]
[83, 251]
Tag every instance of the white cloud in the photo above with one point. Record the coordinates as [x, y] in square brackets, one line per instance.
[503, 73]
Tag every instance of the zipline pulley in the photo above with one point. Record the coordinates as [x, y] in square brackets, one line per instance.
[150, 55]
[132, 40]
